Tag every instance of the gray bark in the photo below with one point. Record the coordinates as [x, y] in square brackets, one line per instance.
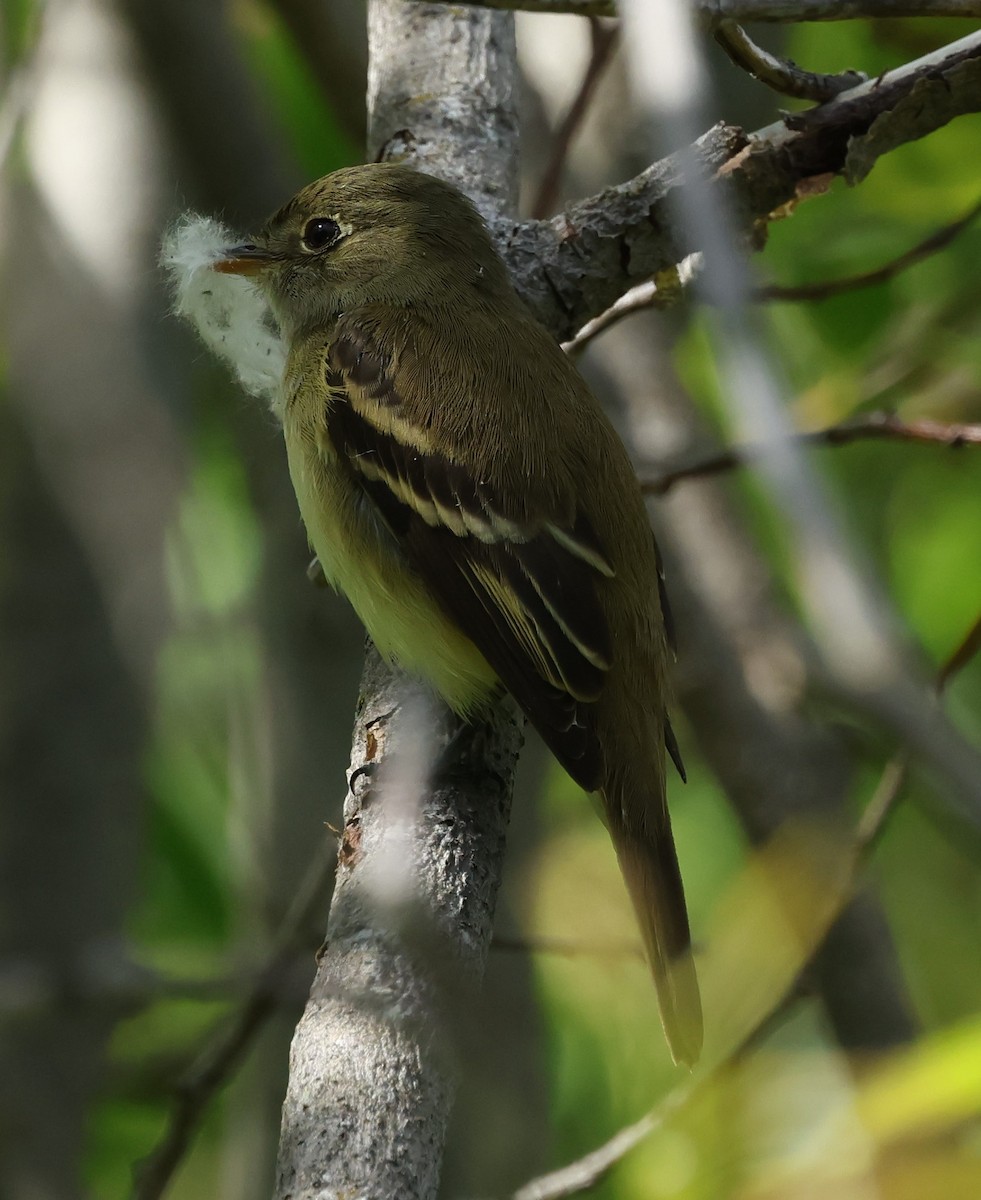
[372, 1072]
[441, 92]
[573, 266]
[711, 12]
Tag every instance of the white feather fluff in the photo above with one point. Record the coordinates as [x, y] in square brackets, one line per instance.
[230, 314]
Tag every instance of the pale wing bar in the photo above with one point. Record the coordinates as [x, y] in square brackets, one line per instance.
[525, 597]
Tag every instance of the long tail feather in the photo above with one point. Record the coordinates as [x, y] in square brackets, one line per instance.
[650, 869]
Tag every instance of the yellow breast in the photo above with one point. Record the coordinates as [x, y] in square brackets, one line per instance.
[360, 558]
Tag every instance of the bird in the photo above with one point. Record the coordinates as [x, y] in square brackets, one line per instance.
[460, 483]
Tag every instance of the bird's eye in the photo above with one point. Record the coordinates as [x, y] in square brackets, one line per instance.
[320, 233]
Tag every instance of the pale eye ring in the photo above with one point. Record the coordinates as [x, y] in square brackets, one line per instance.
[320, 234]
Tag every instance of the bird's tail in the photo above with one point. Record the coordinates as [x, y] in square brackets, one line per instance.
[645, 849]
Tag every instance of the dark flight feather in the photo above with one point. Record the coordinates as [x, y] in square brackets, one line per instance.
[523, 596]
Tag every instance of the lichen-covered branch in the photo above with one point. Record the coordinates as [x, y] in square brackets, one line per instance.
[574, 266]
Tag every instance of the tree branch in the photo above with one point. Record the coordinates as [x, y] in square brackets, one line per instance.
[969, 647]
[673, 285]
[890, 786]
[372, 1075]
[371, 1069]
[780, 74]
[604, 43]
[663, 292]
[878, 425]
[586, 1172]
[937, 241]
[579, 8]
[787, 11]
[576, 265]
[711, 12]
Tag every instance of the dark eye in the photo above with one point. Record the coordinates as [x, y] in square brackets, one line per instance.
[320, 233]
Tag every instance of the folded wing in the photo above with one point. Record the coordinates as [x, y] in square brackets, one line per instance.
[523, 589]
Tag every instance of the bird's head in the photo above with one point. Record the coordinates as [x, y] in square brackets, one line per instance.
[375, 234]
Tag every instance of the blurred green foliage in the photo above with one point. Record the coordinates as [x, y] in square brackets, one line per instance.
[791, 1121]
[909, 346]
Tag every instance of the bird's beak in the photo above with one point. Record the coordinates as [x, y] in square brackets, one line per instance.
[242, 260]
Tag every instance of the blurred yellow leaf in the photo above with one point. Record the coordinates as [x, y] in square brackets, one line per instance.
[936, 1083]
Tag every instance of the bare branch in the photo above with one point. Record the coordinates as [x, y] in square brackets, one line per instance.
[890, 787]
[787, 11]
[569, 947]
[663, 292]
[674, 285]
[580, 8]
[586, 1172]
[604, 43]
[937, 241]
[573, 267]
[861, 650]
[711, 12]
[196, 1091]
[883, 802]
[372, 1075]
[961, 656]
[879, 425]
[780, 74]
[100, 980]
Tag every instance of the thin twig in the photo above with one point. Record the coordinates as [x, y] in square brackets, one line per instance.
[97, 981]
[712, 11]
[960, 657]
[882, 803]
[604, 41]
[571, 268]
[782, 75]
[896, 771]
[569, 947]
[226, 1048]
[655, 295]
[579, 8]
[643, 296]
[586, 1172]
[938, 240]
[877, 425]
[195, 1091]
[664, 291]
